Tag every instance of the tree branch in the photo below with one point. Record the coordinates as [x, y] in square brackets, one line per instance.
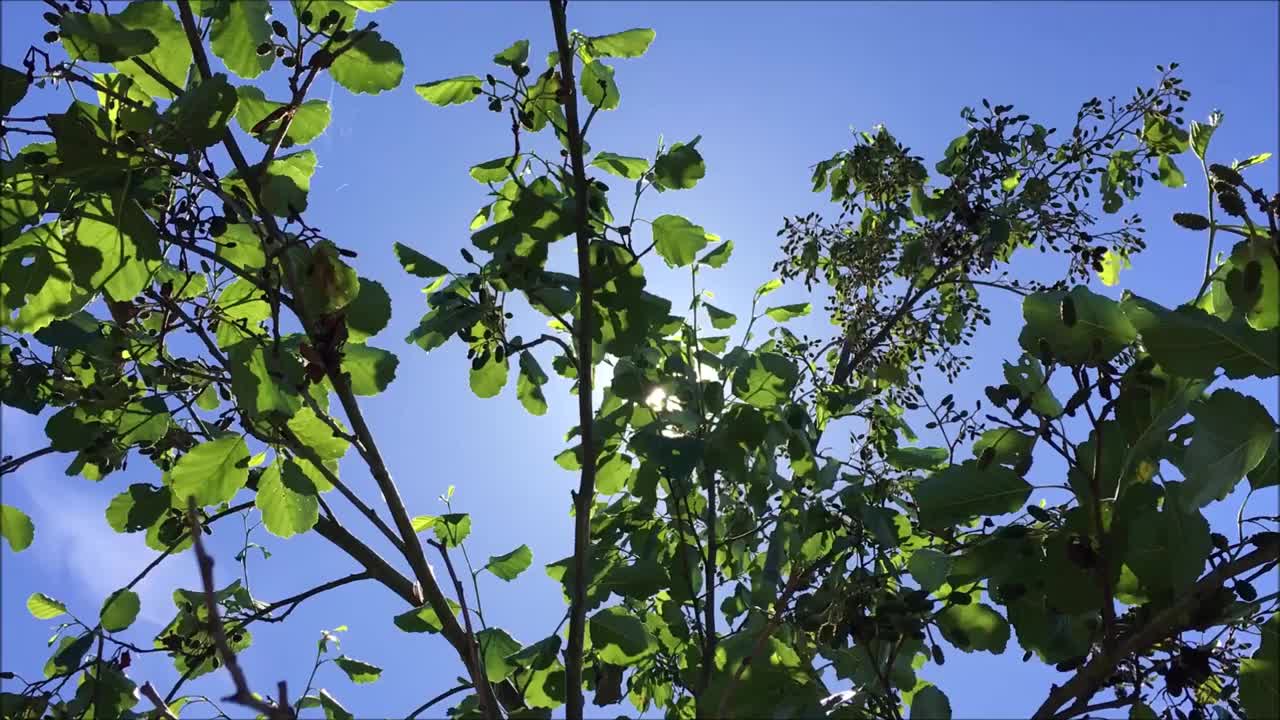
[1171, 621]
[242, 695]
[342, 387]
[13, 464]
[585, 497]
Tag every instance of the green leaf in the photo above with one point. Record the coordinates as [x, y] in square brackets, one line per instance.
[1029, 379]
[612, 473]
[495, 646]
[125, 243]
[782, 313]
[120, 610]
[310, 119]
[1167, 549]
[620, 638]
[768, 287]
[361, 673]
[452, 529]
[211, 472]
[199, 117]
[236, 35]
[1079, 326]
[529, 385]
[930, 703]
[287, 499]
[1202, 132]
[370, 5]
[598, 86]
[1169, 173]
[917, 458]
[331, 284]
[286, 184]
[930, 568]
[1267, 473]
[974, 627]
[423, 619]
[517, 54]
[371, 66]
[1251, 160]
[69, 655]
[631, 168]
[369, 313]
[242, 247]
[765, 380]
[1008, 447]
[720, 319]
[510, 565]
[13, 87]
[626, 44]
[1260, 675]
[496, 170]
[16, 527]
[138, 508]
[679, 168]
[333, 709]
[371, 369]
[719, 256]
[963, 492]
[262, 382]
[171, 58]
[43, 607]
[1192, 343]
[37, 283]
[1232, 435]
[453, 91]
[1142, 711]
[490, 378]
[103, 38]
[1112, 264]
[418, 264]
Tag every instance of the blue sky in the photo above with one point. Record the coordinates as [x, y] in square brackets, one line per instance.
[772, 88]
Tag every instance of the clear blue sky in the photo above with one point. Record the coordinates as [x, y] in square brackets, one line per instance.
[772, 88]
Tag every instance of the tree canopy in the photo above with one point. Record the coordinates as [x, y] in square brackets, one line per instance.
[766, 523]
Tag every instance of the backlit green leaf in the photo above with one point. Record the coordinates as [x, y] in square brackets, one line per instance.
[16, 527]
[211, 472]
[287, 499]
[510, 565]
[626, 44]
[782, 313]
[361, 673]
[43, 607]
[619, 637]
[631, 168]
[120, 610]
[453, 91]
[236, 35]
[371, 66]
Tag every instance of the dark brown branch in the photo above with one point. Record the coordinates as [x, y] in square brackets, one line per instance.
[585, 497]
[242, 695]
[13, 464]
[484, 691]
[1171, 621]
[342, 387]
